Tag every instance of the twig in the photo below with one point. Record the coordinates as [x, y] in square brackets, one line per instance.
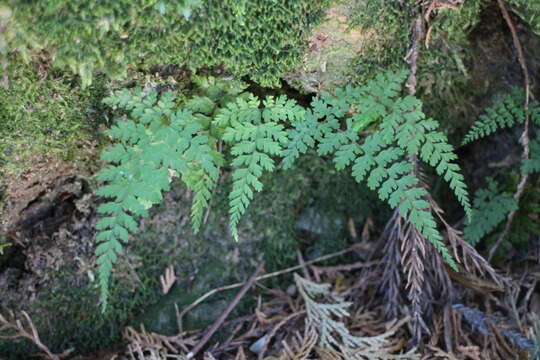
[11, 323]
[412, 55]
[303, 263]
[274, 331]
[267, 276]
[219, 321]
[346, 267]
[525, 136]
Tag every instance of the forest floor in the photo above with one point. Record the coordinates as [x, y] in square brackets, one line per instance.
[181, 296]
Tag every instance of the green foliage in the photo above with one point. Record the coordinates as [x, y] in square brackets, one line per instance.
[505, 112]
[256, 135]
[490, 208]
[529, 11]
[254, 38]
[491, 205]
[157, 141]
[383, 157]
[532, 164]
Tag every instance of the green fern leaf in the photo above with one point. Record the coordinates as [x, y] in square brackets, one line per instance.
[255, 137]
[154, 141]
[302, 136]
[491, 206]
[505, 112]
[532, 164]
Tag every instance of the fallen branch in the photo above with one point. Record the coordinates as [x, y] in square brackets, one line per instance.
[219, 321]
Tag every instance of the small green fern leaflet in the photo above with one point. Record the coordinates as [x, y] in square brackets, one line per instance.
[255, 136]
[491, 206]
[505, 112]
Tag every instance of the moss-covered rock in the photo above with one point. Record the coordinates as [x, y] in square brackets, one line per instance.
[260, 39]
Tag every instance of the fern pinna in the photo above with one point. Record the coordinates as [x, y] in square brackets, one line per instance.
[505, 112]
[491, 206]
[255, 135]
[154, 143]
[158, 141]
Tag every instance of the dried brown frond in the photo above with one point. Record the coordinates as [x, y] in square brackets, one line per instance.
[149, 345]
[167, 280]
[413, 257]
[12, 328]
[471, 261]
[391, 277]
[299, 346]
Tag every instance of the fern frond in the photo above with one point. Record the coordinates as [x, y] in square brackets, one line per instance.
[491, 206]
[256, 137]
[154, 141]
[406, 132]
[388, 172]
[505, 112]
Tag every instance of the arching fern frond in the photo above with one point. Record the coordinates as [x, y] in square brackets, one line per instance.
[334, 124]
[383, 157]
[388, 171]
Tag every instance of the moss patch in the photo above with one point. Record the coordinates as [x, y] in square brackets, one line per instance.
[44, 111]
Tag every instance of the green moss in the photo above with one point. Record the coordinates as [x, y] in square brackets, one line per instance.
[308, 208]
[261, 39]
[44, 110]
[391, 21]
